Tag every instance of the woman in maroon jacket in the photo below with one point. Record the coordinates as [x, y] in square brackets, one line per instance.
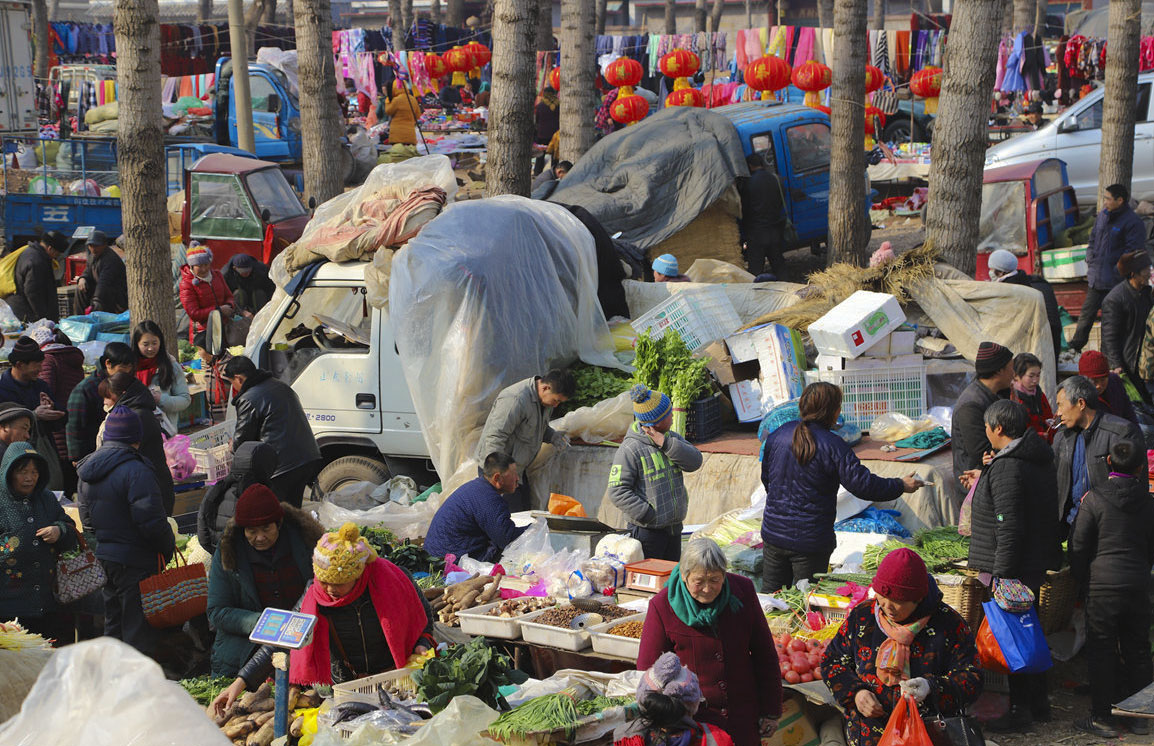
[714, 622]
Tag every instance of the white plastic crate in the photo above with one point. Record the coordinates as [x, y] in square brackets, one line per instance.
[868, 393]
[365, 690]
[214, 462]
[700, 316]
[211, 437]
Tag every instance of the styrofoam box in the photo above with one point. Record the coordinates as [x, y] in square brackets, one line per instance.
[856, 324]
[746, 398]
[899, 342]
[834, 362]
[477, 622]
[622, 647]
[574, 640]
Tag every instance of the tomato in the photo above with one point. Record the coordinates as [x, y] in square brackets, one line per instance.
[785, 639]
[800, 663]
[797, 646]
[792, 677]
[806, 677]
[817, 672]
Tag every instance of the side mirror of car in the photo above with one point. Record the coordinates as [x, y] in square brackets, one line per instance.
[1068, 125]
[273, 103]
[265, 215]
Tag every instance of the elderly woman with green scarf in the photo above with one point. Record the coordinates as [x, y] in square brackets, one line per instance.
[714, 623]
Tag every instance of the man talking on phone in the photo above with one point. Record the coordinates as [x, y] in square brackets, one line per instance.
[646, 482]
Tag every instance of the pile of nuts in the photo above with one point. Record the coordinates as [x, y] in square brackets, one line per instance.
[628, 629]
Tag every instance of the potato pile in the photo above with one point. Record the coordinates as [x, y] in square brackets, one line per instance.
[250, 720]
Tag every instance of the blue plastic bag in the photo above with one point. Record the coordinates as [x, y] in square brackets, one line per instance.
[1020, 637]
[874, 520]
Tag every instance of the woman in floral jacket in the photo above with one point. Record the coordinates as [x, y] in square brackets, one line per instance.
[905, 641]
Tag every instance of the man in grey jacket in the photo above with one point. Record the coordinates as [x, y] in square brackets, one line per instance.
[518, 424]
[646, 482]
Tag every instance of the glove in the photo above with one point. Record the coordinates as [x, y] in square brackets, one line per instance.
[560, 441]
[918, 688]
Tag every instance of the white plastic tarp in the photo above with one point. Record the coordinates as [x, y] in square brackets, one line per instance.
[489, 293]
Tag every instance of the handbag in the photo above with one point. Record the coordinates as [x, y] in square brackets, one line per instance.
[1020, 638]
[958, 730]
[78, 575]
[172, 597]
[905, 726]
[1013, 595]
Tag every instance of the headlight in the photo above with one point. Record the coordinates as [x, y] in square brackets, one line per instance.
[294, 125]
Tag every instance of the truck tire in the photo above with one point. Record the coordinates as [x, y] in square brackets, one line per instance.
[352, 469]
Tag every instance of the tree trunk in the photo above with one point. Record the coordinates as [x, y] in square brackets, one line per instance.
[599, 23]
[699, 16]
[455, 13]
[824, 13]
[749, 13]
[397, 23]
[878, 18]
[848, 226]
[1025, 12]
[715, 15]
[40, 32]
[321, 128]
[140, 162]
[267, 15]
[203, 10]
[53, 10]
[670, 17]
[578, 78]
[545, 26]
[1119, 101]
[435, 12]
[407, 14]
[960, 132]
[507, 170]
[1040, 17]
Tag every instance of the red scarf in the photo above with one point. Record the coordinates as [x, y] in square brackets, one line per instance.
[400, 610]
[146, 369]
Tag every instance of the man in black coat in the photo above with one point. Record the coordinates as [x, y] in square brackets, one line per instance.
[104, 284]
[1124, 314]
[1003, 266]
[763, 218]
[249, 282]
[1014, 532]
[995, 371]
[35, 279]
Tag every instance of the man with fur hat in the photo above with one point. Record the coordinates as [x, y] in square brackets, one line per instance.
[264, 560]
[35, 278]
[995, 372]
[202, 291]
[104, 284]
[646, 482]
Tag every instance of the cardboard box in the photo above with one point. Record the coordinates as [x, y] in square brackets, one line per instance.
[856, 324]
[794, 727]
[648, 575]
[898, 342]
[781, 359]
[834, 362]
[746, 398]
[721, 365]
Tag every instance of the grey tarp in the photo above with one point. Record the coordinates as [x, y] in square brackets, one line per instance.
[652, 179]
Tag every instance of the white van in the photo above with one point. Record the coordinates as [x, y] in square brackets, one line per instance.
[1075, 136]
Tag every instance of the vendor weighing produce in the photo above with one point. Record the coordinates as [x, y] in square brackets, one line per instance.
[475, 520]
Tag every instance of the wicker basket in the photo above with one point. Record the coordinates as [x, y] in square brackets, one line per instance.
[965, 595]
[1056, 600]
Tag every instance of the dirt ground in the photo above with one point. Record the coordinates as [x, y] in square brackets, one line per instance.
[902, 233]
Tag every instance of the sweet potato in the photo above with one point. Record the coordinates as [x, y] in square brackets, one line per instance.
[296, 727]
[262, 737]
[243, 728]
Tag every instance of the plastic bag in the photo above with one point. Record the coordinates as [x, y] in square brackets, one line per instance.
[401, 490]
[527, 549]
[459, 724]
[604, 572]
[605, 420]
[555, 570]
[406, 521]
[989, 654]
[120, 697]
[92, 351]
[893, 426]
[874, 520]
[965, 512]
[905, 726]
[1020, 638]
[8, 320]
[565, 505]
[180, 462]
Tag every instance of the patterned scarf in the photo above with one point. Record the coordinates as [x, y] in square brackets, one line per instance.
[893, 659]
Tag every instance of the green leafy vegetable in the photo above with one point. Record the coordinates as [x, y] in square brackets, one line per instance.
[594, 384]
[475, 668]
[205, 688]
[550, 712]
[401, 552]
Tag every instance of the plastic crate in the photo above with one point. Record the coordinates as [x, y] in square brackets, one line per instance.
[869, 393]
[365, 690]
[214, 462]
[700, 316]
[210, 437]
[703, 419]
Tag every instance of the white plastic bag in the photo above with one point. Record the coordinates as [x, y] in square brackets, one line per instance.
[406, 521]
[527, 549]
[893, 426]
[605, 420]
[103, 693]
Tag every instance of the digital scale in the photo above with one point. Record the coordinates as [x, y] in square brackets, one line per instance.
[288, 630]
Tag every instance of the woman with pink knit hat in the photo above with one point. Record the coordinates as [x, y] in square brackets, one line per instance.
[202, 291]
[906, 640]
[669, 695]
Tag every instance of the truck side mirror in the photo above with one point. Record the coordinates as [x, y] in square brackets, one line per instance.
[312, 203]
[273, 103]
[265, 215]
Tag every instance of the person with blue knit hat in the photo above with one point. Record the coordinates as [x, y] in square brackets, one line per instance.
[646, 482]
[665, 269]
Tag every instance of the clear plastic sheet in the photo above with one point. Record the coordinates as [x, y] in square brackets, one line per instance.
[489, 293]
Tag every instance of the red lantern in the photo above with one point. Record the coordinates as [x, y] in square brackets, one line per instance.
[873, 113]
[768, 73]
[680, 63]
[685, 97]
[624, 73]
[824, 110]
[927, 83]
[479, 53]
[435, 66]
[629, 109]
[458, 60]
[812, 77]
[874, 79]
[555, 78]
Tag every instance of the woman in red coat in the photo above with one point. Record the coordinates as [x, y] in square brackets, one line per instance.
[202, 291]
[714, 623]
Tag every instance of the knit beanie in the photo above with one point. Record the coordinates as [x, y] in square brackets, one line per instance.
[341, 557]
[666, 264]
[257, 506]
[1093, 364]
[198, 255]
[992, 357]
[243, 261]
[649, 407]
[902, 576]
[669, 677]
[25, 351]
[1003, 261]
[42, 335]
[122, 425]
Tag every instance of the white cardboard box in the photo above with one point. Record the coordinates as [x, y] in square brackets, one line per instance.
[835, 362]
[856, 324]
[778, 353]
[747, 402]
[898, 342]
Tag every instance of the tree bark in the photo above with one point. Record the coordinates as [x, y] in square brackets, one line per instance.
[407, 14]
[715, 15]
[749, 12]
[203, 10]
[878, 20]
[699, 16]
[600, 17]
[435, 12]
[960, 131]
[848, 226]
[825, 13]
[545, 26]
[53, 10]
[1040, 17]
[455, 13]
[578, 79]
[321, 128]
[40, 39]
[397, 23]
[670, 17]
[140, 161]
[1119, 100]
[782, 7]
[507, 169]
[1025, 12]
[267, 15]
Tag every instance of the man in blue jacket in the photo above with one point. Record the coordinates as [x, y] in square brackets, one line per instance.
[475, 519]
[1117, 230]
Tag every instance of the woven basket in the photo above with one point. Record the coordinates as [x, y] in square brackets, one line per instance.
[172, 597]
[1056, 600]
[965, 595]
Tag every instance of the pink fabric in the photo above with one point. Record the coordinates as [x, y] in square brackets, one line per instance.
[742, 57]
[805, 46]
[754, 47]
[1003, 54]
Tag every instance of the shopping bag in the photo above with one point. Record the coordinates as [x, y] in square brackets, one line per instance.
[905, 726]
[78, 575]
[989, 654]
[1020, 638]
[964, 512]
[172, 597]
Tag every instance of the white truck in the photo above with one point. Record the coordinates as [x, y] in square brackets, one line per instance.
[17, 86]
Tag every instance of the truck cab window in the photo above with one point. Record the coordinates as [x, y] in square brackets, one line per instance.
[809, 146]
[328, 319]
[763, 145]
[272, 193]
[260, 88]
[219, 208]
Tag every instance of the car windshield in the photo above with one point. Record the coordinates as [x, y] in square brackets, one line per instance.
[219, 208]
[272, 193]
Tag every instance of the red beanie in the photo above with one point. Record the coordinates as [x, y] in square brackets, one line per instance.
[257, 506]
[902, 576]
[1093, 364]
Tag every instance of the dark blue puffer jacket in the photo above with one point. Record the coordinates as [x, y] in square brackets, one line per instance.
[801, 501]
